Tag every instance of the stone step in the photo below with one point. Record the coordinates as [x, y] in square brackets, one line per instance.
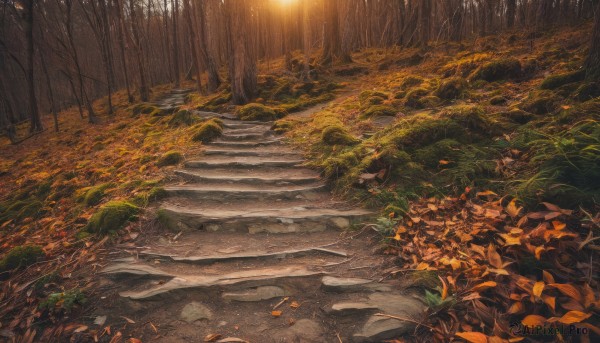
[254, 152]
[245, 255]
[243, 162]
[245, 145]
[246, 137]
[279, 220]
[253, 277]
[269, 177]
[227, 191]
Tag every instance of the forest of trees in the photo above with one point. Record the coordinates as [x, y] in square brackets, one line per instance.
[58, 53]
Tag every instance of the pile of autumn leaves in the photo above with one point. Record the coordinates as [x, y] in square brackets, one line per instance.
[501, 270]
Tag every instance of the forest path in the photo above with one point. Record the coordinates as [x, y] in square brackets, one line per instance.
[253, 231]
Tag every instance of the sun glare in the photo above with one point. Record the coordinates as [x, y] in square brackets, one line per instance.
[286, 2]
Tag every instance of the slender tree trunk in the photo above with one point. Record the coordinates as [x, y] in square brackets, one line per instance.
[592, 63]
[50, 92]
[206, 49]
[193, 41]
[511, 8]
[306, 39]
[242, 65]
[123, 53]
[35, 122]
[144, 92]
[175, 14]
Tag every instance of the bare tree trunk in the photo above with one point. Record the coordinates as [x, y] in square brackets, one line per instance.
[36, 123]
[206, 49]
[306, 40]
[144, 92]
[192, 32]
[242, 65]
[50, 92]
[121, 32]
[175, 14]
[511, 8]
[592, 63]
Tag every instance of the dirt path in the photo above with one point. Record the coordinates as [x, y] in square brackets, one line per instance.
[252, 231]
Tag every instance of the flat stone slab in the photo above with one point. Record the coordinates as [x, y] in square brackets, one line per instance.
[205, 281]
[256, 294]
[134, 269]
[195, 311]
[335, 284]
[244, 255]
[377, 329]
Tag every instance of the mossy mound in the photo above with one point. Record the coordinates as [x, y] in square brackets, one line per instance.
[112, 217]
[183, 118]
[20, 209]
[472, 117]
[283, 125]
[63, 302]
[217, 102]
[587, 91]
[501, 69]
[170, 158]
[444, 150]
[378, 110]
[20, 257]
[365, 95]
[542, 102]
[411, 81]
[555, 81]
[415, 96]
[208, 131]
[144, 198]
[259, 112]
[95, 194]
[146, 108]
[518, 116]
[452, 88]
[337, 135]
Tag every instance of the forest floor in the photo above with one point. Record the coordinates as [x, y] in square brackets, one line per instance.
[478, 160]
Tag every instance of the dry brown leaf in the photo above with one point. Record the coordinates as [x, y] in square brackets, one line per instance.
[568, 290]
[483, 286]
[473, 337]
[533, 320]
[538, 288]
[574, 317]
[493, 257]
[213, 337]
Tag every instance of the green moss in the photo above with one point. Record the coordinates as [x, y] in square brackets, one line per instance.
[501, 69]
[518, 116]
[589, 110]
[20, 257]
[452, 88]
[154, 194]
[112, 217]
[283, 126]
[587, 91]
[378, 110]
[411, 81]
[414, 97]
[364, 96]
[170, 158]
[543, 102]
[63, 302]
[260, 112]
[183, 118]
[470, 116]
[337, 135]
[431, 155]
[20, 209]
[95, 194]
[555, 81]
[208, 131]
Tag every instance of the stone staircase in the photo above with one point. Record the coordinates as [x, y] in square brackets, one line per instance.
[252, 232]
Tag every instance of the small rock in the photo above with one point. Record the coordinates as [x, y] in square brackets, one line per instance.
[195, 311]
[335, 284]
[303, 331]
[350, 308]
[378, 328]
[340, 222]
[257, 294]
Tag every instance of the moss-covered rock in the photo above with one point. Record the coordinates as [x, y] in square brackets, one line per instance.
[411, 81]
[283, 126]
[431, 155]
[337, 135]
[501, 69]
[470, 116]
[378, 110]
[112, 217]
[260, 112]
[20, 209]
[183, 118]
[414, 97]
[208, 131]
[555, 81]
[20, 257]
[170, 158]
[94, 195]
[452, 88]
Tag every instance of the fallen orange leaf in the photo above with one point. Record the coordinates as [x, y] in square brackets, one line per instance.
[473, 337]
